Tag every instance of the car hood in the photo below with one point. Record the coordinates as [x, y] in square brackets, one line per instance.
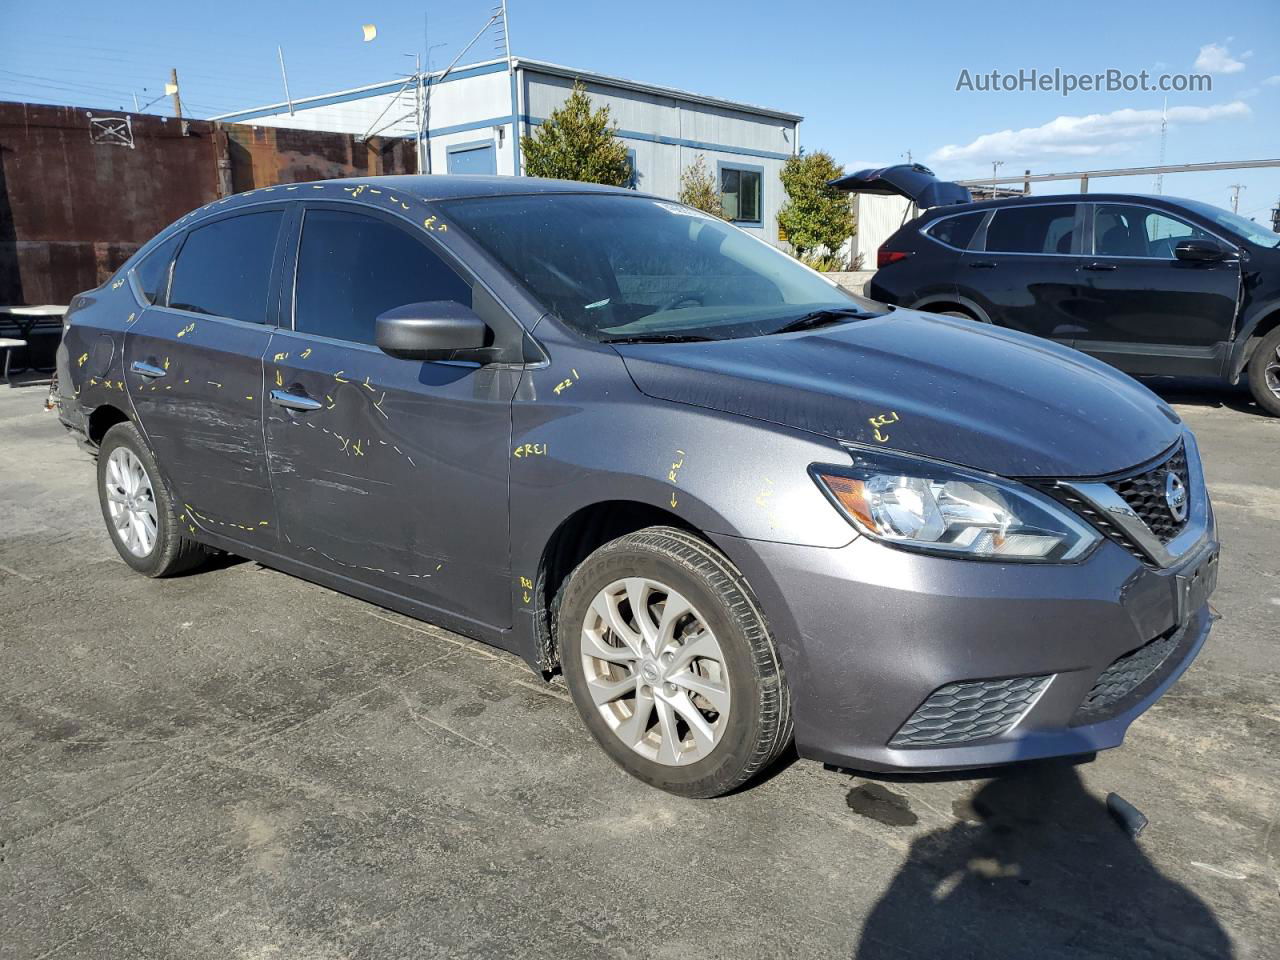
[940, 387]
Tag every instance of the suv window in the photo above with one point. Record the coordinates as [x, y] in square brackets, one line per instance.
[1046, 228]
[224, 269]
[1125, 230]
[956, 231]
[353, 267]
[153, 271]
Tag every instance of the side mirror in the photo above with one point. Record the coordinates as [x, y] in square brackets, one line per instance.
[1199, 251]
[434, 330]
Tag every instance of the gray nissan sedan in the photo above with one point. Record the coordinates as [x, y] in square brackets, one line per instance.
[735, 505]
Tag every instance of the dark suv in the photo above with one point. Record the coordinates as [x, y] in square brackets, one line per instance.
[1153, 285]
[624, 439]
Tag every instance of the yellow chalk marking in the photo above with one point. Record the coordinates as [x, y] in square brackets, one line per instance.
[883, 420]
[529, 450]
[83, 358]
[305, 353]
[279, 379]
[338, 376]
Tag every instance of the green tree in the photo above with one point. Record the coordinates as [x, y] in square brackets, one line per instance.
[577, 143]
[698, 188]
[816, 219]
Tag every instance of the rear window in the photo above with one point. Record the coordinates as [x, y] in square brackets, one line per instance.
[224, 269]
[1048, 228]
[153, 272]
[956, 231]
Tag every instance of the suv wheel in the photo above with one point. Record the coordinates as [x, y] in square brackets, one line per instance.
[671, 665]
[1264, 373]
[138, 509]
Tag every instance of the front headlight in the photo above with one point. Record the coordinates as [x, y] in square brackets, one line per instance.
[943, 509]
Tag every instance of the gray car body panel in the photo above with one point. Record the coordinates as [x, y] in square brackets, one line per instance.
[718, 437]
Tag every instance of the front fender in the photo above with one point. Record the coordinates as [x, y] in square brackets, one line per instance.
[1240, 348]
[583, 434]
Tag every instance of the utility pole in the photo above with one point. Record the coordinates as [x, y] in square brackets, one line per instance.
[418, 112]
[1164, 136]
[1235, 196]
[177, 97]
[1275, 217]
[995, 165]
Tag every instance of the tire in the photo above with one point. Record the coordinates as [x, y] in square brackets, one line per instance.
[733, 680]
[1264, 373]
[138, 508]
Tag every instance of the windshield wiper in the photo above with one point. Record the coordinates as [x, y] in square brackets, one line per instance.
[819, 318]
[661, 338]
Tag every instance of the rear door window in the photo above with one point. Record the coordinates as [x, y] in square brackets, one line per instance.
[224, 269]
[956, 231]
[153, 272]
[1046, 228]
[352, 267]
[1128, 230]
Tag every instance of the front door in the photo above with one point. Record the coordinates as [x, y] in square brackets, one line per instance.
[193, 363]
[389, 472]
[1023, 269]
[1147, 311]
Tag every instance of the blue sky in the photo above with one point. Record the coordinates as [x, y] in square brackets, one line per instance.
[873, 80]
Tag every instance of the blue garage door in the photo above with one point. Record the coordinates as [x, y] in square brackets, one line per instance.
[473, 158]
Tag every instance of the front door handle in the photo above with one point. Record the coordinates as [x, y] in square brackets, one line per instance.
[1099, 266]
[982, 264]
[147, 369]
[293, 401]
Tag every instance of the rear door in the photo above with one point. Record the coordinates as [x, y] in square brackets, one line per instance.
[1147, 311]
[389, 472]
[1024, 269]
[193, 364]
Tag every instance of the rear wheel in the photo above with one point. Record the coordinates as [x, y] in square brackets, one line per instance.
[137, 508]
[1264, 373]
[671, 665]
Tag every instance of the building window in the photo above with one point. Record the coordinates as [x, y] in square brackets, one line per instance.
[633, 181]
[740, 192]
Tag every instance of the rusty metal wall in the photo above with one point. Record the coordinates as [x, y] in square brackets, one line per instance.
[81, 190]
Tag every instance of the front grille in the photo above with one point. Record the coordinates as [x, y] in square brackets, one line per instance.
[971, 710]
[1124, 675]
[1145, 493]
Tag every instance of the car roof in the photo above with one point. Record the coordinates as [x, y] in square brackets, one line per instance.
[423, 188]
[1031, 199]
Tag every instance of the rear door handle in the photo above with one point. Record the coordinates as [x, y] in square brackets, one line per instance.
[292, 401]
[1099, 266]
[982, 264]
[147, 369]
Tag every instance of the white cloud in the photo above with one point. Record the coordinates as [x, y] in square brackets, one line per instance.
[1097, 133]
[1217, 58]
[1272, 81]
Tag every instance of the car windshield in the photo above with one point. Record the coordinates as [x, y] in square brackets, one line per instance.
[1252, 231]
[628, 268]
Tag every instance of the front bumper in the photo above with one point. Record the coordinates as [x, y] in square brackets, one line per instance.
[868, 633]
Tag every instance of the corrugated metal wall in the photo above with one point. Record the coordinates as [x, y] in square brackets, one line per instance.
[81, 190]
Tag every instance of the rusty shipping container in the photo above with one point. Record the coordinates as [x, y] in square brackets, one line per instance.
[81, 190]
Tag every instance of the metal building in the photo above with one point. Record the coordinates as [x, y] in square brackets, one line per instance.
[469, 115]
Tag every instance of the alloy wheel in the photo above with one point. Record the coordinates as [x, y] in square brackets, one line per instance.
[131, 501]
[1271, 372]
[655, 671]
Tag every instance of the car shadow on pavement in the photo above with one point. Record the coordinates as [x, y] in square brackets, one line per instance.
[1036, 867]
[1204, 393]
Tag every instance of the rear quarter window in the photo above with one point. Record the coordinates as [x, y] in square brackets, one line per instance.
[152, 273]
[956, 231]
[224, 269]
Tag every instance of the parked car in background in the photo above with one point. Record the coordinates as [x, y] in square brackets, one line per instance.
[1153, 285]
[629, 441]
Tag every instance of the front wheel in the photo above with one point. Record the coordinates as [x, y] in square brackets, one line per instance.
[671, 664]
[1264, 373]
[136, 505]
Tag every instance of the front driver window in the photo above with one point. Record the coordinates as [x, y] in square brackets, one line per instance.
[352, 267]
[1125, 230]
